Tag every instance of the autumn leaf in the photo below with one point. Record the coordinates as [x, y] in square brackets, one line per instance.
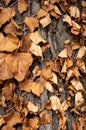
[19, 64]
[22, 5]
[45, 21]
[6, 14]
[2, 121]
[34, 123]
[13, 118]
[5, 71]
[79, 100]
[74, 11]
[41, 13]
[55, 103]
[9, 43]
[32, 23]
[44, 118]
[36, 38]
[36, 50]
[26, 85]
[37, 88]
[8, 127]
[31, 107]
[12, 27]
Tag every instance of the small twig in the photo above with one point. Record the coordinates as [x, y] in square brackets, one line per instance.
[13, 4]
[23, 94]
[10, 109]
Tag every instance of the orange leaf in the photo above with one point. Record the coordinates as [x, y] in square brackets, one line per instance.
[22, 5]
[19, 64]
[32, 23]
[6, 14]
[5, 71]
[9, 43]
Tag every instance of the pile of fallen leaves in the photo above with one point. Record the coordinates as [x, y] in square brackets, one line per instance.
[18, 50]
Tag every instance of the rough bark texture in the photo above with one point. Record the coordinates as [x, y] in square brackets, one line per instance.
[56, 33]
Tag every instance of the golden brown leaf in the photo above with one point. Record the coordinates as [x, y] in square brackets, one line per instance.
[76, 126]
[55, 103]
[41, 13]
[8, 90]
[9, 43]
[22, 5]
[45, 21]
[44, 118]
[8, 127]
[63, 53]
[67, 19]
[79, 100]
[46, 73]
[81, 65]
[37, 88]
[36, 50]
[81, 52]
[19, 64]
[77, 84]
[74, 11]
[32, 23]
[36, 38]
[2, 121]
[76, 28]
[34, 123]
[12, 27]
[49, 87]
[31, 107]
[5, 72]
[26, 85]
[13, 118]
[6, 14]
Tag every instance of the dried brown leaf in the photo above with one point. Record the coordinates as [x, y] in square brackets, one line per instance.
[19, 64]
[36, 50]
[76, 126]
[6, 14]
[13, 118]
[34, 123]
[49, 87]
[36, 38]
[76, 28]
[45, 21]
[47, 73]
[81, 65]
[77, 84]
[31, 107]
[26, 85]
[5, 71]
[37, 88]
[63, 53]
[44, 118]
[55, 103]
[8, 90]
[74, 11]
[41, 13]
[67, 19]
[79, 100]
[22, 5]
[32, 23]
[8, 127]
[9, 43]
[12, 27]
[81, 52]
[2, 121]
